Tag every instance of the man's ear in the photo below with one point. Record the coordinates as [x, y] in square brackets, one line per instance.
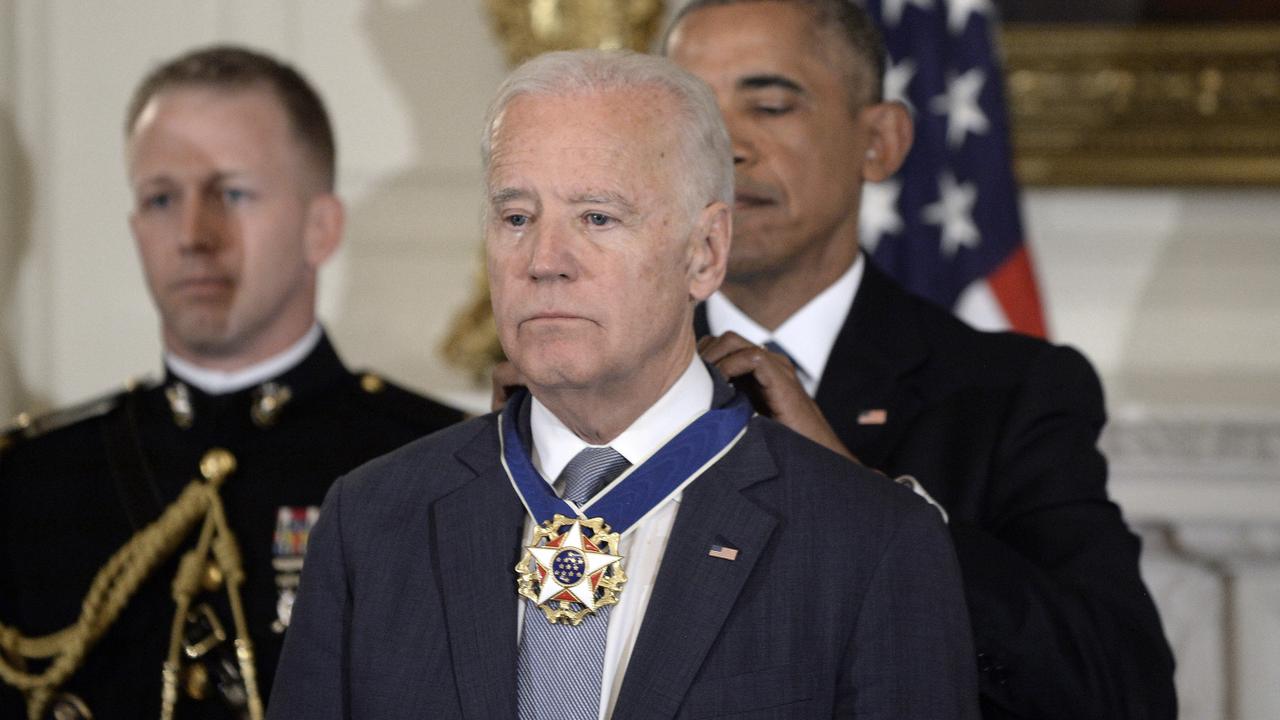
[709, 250]
[889, 131]
[325, 221]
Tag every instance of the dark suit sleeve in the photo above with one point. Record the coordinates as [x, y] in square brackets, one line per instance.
[311, 679]
[1062, 622]
[912, 655]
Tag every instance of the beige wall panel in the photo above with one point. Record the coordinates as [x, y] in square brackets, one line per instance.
[13, 172]
[408, 83]
[1172, 293]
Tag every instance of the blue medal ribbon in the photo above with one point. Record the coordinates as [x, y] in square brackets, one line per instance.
[629, 498]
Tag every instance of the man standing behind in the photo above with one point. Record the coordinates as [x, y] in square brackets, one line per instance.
[231, 161]
[735, 567]
[1000, 429]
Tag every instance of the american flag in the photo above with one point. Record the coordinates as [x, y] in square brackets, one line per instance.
[948, 225]
[723, 552]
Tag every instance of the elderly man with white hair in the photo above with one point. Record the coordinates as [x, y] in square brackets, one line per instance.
[625, 538]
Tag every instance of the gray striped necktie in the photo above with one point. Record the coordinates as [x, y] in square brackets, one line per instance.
[561, 665]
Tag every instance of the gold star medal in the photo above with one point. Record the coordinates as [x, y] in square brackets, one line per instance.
[569, 573]
[574, 568]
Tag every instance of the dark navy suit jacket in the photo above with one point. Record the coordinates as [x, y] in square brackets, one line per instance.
[1001, 429]
[844, 599]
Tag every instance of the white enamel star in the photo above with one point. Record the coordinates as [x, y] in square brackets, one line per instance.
[593, 561]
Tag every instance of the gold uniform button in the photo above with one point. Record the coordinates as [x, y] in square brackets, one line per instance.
[217, 464]
[372, 383]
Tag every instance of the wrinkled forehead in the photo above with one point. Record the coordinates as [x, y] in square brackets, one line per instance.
[614, 133]
[637, 111]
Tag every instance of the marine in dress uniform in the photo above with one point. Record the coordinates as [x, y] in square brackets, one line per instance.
[74, 487]
[151, 542]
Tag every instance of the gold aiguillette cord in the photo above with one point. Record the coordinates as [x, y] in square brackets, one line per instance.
[215, 536]
[118, 580]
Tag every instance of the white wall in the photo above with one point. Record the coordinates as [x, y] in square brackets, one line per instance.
[12, 172]
[1173, 293]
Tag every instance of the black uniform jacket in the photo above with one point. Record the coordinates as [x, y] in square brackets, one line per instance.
[1001, 429]
[71, 497]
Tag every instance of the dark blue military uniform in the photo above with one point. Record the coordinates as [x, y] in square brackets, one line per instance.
[72, 495]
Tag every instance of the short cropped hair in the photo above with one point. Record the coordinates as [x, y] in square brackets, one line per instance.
[233, 68]
[848, 20]
[705, 153]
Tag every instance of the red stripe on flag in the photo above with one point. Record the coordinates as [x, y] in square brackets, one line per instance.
[1014, 285]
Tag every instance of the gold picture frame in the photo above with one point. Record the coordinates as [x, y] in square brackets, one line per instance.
[1144, 105]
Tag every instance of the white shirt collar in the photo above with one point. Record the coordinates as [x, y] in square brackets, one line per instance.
[554, 444]
[808, 335]
[219, 382]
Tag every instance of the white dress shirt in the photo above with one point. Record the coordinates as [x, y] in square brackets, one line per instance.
[808, 335]
[219, 382]
[554, 445]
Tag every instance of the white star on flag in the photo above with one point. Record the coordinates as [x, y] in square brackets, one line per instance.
[891, 11]
[878, 215]
[583, 590]
[954, 212]
[960, 105]
[943, 59]
[958, 12]
[897, 78]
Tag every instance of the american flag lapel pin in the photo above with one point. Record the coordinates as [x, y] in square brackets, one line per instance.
[874, 416]
[723, 552]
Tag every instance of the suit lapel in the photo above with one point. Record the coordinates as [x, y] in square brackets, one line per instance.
[865, 392]
[477, 547]
[694, 592]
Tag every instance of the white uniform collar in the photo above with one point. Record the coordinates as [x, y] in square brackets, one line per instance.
[554, 444]
[218, 382]
[808, 335]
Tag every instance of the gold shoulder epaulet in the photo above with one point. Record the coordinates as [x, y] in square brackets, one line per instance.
[372, 383]
[29, 425]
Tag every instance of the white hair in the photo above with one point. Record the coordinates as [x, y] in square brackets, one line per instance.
[706, 154]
